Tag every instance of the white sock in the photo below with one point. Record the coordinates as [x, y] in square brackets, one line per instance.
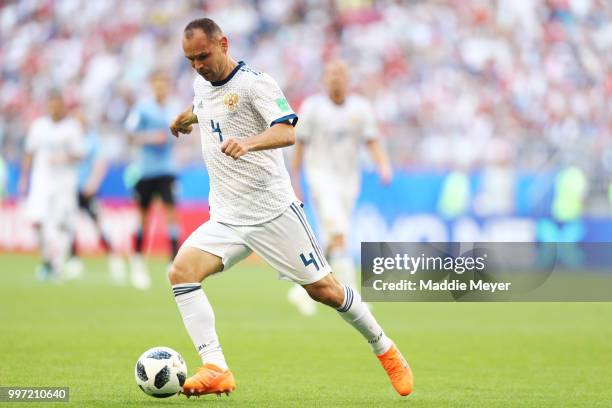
[199, 320]
[343, 266]
[357, 314]
[63, 239]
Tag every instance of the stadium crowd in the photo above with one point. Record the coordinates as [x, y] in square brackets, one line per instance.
[456, 84]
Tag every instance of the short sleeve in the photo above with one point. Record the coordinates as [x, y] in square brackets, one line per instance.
[133, 123]
[269, 101]
[370, 128]
[97, 147]
[195, 94]
[31, 142]
[78, 145]
[304, 130]
[94, 146]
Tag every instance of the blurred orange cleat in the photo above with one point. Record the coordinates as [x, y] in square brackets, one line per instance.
[210, 379]
[398, 370]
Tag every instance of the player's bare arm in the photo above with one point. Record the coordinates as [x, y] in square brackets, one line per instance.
[70, 157]
[296, 169]
[184, 122]
[277, 136]
[380, 158]
[26, 165]
[153, 138]
[95, 179]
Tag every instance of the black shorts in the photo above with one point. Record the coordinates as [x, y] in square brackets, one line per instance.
[162, 186]
[89, 205]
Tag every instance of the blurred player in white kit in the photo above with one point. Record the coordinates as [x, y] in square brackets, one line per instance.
[334, 126]
[53, 148]
[91, 173]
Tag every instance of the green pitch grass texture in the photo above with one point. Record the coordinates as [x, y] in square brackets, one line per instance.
[87, 334]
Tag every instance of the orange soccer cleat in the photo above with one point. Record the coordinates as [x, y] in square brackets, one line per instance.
[210, 379]
[398, 370]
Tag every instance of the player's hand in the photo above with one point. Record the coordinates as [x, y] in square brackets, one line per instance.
[59, 159]
[89, 191]
[386, 175]
[181, 129]
[234, 148]
[183, 123]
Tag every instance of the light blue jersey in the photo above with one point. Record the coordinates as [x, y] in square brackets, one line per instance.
[149, 116]
[92, 152]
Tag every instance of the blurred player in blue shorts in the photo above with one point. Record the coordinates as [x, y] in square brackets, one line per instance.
[148, 124]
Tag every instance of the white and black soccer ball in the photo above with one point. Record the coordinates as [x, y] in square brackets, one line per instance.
[160, 372]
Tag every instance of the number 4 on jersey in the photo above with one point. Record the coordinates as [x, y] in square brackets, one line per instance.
[216, 129]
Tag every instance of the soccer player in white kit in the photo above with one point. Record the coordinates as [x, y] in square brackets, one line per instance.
[334, 125]
[54, 145]
[244, 119]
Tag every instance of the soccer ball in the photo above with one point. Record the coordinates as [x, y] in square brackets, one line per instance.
[160, 372]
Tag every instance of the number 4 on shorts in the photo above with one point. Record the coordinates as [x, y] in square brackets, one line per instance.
[309, 261]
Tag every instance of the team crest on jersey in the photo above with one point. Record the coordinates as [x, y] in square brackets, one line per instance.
[230, 101]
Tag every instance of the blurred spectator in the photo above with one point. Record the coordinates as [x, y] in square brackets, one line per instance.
[448, 78]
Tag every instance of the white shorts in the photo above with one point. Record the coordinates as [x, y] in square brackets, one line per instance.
[334, 210]
[45, 205]
[287, 243]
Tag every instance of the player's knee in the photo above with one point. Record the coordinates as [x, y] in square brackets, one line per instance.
[180, 273]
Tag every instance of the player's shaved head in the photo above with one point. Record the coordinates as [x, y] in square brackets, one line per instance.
[208, 27]
[55, 93]
[336, 66]
[55, 104]
[206, 48]
[159, 73]
[336, 78]
[160, 84]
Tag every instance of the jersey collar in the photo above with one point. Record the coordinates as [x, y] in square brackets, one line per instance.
[230, 76]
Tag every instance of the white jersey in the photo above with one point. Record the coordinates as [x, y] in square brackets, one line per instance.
[53, 146]
[255, 188]
[333, 135]
[53, 177]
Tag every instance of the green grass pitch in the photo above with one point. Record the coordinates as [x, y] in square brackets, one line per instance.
[87, 334]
